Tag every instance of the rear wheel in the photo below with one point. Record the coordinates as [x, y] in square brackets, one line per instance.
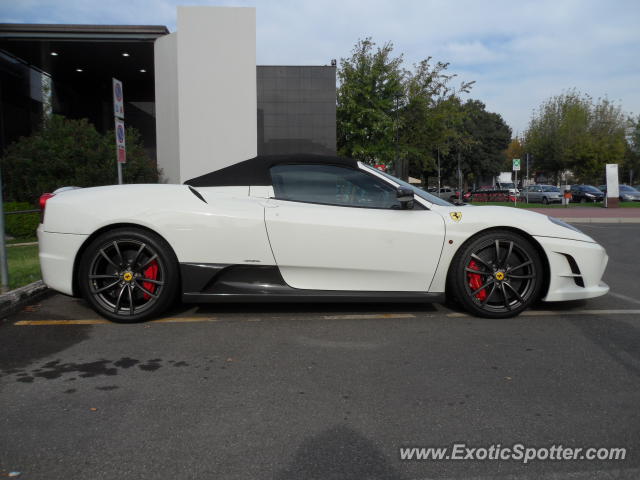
[128, 275]
[497, 274]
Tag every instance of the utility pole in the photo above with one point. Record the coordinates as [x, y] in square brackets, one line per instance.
[459, 178]
[439, 170]
[4, 269]
[399, 169]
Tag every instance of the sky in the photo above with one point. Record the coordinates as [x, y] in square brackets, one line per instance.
[519, 52]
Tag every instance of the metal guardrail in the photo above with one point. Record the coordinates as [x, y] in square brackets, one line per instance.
[35, 210]
[4, 269]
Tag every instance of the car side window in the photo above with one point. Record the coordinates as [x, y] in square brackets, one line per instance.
[332, 185]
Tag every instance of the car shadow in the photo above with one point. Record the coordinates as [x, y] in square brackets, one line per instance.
[292, 308]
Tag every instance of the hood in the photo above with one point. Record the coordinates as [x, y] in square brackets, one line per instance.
[473, 218]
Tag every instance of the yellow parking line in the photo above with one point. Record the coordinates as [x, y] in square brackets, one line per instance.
[185, 320]
[61, 322]
[107, 322]
[368, 316]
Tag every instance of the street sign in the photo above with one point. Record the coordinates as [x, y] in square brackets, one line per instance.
[516, 164]
[613, 185]
[118, 98]
[120, 141]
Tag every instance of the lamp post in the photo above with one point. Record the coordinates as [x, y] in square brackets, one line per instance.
[400, 166]
[459, 178]
[439, 186]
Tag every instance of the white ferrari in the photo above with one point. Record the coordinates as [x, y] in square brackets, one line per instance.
[305, 228]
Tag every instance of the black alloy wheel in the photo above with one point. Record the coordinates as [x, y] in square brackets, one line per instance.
[128, 275]
[496, 274]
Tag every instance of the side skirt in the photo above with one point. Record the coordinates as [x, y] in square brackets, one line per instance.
[221, 283]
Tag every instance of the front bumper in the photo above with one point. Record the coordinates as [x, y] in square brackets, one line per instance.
[57, 256]
[576, 269]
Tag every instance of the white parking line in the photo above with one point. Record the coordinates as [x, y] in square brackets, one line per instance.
[550, 313]
[624, 297]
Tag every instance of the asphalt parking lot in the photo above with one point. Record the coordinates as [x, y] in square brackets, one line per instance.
[323, 391]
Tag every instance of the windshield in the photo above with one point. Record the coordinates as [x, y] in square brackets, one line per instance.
[418, 191]
[627, 188]
[589, 188]
[507, 185]
[550, 189]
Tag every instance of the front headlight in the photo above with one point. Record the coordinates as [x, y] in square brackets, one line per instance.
[588, 195]
[564, 224]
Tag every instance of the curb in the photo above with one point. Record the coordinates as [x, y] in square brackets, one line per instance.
[598, 220]
[23, 244]
[15, 299]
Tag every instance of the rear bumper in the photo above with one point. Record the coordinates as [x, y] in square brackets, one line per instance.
[576, 269]
[58, 252]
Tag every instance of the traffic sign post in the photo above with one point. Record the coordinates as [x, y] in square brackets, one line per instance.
[118, 117]
[118, 99]
[516, 169]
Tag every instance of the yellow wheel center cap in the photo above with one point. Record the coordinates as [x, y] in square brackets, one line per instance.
[499, 276]
[127, 277]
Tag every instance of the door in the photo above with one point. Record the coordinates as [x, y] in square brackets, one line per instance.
[535, 194]
[338, 228]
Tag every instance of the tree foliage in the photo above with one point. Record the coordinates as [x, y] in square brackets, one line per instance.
[70, 152]
[515, 149]
[573, 132]
[371, 84]
[385, 110]
[481, 141]
[631, 165]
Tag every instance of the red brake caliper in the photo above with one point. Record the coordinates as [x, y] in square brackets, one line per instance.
[152, 273]
[475, 281]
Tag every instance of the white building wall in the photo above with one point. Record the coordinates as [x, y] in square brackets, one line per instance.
[214, 107]
[166, 83]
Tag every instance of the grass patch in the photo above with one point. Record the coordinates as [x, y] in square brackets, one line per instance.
[24, 265]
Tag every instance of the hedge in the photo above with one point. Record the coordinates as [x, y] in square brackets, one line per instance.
[21, 225]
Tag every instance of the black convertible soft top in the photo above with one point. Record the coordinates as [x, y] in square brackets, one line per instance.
[255, 171]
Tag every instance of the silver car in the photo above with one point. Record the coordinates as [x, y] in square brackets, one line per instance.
[627, 193]
[542, 194]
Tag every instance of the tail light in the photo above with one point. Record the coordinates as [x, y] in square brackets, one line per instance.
[43, 203]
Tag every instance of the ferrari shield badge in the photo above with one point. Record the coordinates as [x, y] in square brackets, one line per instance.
[456, 216]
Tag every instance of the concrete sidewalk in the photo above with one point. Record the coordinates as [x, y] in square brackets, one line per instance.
[592, 214]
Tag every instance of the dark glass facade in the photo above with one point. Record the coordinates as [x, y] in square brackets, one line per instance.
[67, 70]
[296, 109]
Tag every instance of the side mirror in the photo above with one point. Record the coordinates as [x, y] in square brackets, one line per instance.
[405, 197]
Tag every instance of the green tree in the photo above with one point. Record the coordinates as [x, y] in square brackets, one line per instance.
[572, 132]
[514, 150]
[631, 168]
[69, 152]
[385, 110]
[430, 114]
[368, 96]
[481, 140]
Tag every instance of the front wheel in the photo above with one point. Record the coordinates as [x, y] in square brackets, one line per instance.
[128, 275]
[496, 274]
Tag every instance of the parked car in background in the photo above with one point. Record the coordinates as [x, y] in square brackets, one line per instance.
[541, 193]
[446, 193]
[627, 193]
[586, 193]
